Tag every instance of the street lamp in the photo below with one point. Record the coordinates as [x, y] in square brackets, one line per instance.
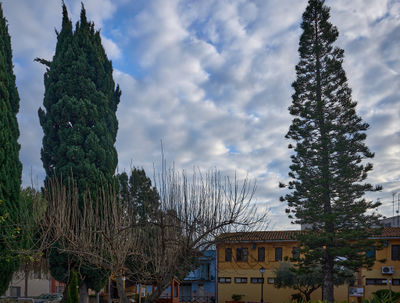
[262, 271]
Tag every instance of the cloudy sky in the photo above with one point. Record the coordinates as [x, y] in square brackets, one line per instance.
[212, 80]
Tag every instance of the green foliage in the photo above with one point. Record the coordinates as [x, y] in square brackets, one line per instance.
[308, 279]
[138, 192]
[60, 264]
[328, 171]
[384, 296]
[236, 297]
[79, 121]
[72, 294]
[10, 166]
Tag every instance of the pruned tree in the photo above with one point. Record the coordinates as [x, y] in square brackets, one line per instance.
[306, 280]
[328, 170]
[192, 211]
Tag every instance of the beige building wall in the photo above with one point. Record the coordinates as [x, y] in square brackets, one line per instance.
[37, 284]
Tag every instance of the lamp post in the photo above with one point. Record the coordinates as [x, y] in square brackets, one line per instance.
[262, 271]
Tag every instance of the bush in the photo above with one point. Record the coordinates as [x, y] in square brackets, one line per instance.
[72, 294]
[236, 297]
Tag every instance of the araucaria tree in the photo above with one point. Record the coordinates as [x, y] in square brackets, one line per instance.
[10, 166]
[328, 167]
[79, 117]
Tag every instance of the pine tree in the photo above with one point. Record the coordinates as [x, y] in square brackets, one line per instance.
[79, 118]
[328, 171]
[10, 166]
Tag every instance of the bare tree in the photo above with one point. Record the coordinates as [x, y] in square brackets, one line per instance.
[194, 210]
[191, 213]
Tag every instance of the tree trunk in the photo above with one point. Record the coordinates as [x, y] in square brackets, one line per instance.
[65, 293]
[328, 280]
[121, 291]
[83, 293]
[307, 296]
[26, 283]
[109, 290]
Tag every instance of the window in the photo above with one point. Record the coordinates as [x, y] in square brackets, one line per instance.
[228, 254]
[271, 280]
[205, 271]
[395, 281]
[257, 280]
[371, 253]
[375, 281]
[296, 253]
[224, 280]
[278, 253]
[395, 252]
[240, 280]
[261, 254]
[15, 291]
[241, 254]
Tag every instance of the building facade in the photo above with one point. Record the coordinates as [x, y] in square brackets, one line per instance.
[199, 285]
[240, 256]
[33, 284]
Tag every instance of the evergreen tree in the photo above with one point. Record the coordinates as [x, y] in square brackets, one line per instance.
[328, 170]
[138, 192]
[10, 166]
[72, 293]
[79, 118]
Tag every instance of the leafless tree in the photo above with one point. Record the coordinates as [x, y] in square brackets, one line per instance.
[192, 212]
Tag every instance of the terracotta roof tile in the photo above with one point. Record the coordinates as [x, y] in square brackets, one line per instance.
[288, 235]
[389, 232]
[259, 236]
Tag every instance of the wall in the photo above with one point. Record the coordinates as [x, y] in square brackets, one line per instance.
[252, 292]
[36, 286]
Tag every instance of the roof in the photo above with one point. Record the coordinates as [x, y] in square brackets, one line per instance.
[256, 236]
[389, 232]
[289, 235]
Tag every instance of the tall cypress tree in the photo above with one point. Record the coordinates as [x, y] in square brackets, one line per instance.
[328, 165]
[79, 121]
[10, 166]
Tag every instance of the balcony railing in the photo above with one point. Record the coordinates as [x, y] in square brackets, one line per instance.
[197, 299]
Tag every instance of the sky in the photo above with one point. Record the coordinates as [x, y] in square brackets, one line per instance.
[211, 80]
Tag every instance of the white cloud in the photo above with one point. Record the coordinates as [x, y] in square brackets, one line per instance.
[112, 50]
[212, 80]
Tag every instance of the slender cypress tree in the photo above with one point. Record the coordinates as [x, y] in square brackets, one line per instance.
[10, 166]
[328, 170]
[79, 121]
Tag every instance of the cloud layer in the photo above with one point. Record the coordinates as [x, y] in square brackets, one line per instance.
[212, 80]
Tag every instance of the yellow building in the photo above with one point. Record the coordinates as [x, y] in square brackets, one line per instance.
[241, 255]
